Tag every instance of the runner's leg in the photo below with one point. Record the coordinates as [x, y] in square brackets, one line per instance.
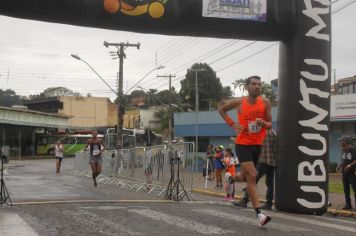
[57, 165]
[250, 173]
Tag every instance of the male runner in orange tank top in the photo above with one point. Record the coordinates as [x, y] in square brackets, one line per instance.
[254, 117]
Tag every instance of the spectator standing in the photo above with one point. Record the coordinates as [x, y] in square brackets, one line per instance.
[348, 168]
[218, 162]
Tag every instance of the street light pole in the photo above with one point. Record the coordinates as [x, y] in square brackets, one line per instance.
[154, 69]
[170, 113]
[196, 107]
[80, 59]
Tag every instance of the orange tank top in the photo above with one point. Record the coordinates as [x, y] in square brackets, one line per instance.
[254, 134]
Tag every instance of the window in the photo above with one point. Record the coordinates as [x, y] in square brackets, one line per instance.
[351, 88]
[345, 89]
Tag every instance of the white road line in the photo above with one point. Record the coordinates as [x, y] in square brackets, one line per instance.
[180, 222]
[248, 220]
[12, 224]
[105, 208]
[90, 219]
[339, 220]
[311, 221]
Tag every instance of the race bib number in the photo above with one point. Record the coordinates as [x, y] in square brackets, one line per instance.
[253, 127]
[96, 152]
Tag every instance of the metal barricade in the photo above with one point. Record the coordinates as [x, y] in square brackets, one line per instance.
[138, 169]
[11, 153]
[15, 154]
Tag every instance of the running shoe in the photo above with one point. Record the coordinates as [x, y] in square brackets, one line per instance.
[228, 178]
[263, 219]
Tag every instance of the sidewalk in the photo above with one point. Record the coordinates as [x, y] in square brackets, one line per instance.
[336, 200]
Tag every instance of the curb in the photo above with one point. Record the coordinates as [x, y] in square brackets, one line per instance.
[89, 201]
[343, 213]
[215, 194]
[335, 212]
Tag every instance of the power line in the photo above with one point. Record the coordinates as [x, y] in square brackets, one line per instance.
[233, 52]
[204, 56]
[173, 50]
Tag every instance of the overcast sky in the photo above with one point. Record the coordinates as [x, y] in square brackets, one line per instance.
[36, 55]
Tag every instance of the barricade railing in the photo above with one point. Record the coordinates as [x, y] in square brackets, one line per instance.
[11, 153]
[143, 168]
[15, 154]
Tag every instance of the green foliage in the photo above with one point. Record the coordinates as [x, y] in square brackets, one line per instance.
[137, 94]
[9, 98]
[168, 97]
[155, 98]
[163, 116]
[266, 90]
[209, 87]
[54, 92]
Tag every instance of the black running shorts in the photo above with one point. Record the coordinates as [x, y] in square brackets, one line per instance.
[247, 153]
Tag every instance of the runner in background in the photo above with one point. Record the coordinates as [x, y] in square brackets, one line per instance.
[97, 147]
[58, 155]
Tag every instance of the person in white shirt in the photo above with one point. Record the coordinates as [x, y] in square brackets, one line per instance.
[58, 154]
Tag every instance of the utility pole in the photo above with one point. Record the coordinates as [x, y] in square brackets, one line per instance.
[120, 103]
[196, 107]
[170, 113]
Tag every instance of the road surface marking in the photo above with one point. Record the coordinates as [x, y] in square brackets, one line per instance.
[312, 222]
[339, 220]
[105, 208]
[248, 220]
[12, 224]
[180, 222]
[90, 220]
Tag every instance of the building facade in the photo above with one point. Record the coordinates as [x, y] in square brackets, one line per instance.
[84, 112]
[94, 112]
[18, 128]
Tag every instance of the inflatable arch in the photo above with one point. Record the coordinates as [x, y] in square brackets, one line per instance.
[303, 28]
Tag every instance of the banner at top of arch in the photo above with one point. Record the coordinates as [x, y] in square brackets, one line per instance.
[245, 19]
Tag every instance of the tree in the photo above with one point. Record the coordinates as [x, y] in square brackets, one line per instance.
[54, 92]
[163, 115]
[138, 94]
[59, 91]
[210, 88]
[9, 98]
[168, 97]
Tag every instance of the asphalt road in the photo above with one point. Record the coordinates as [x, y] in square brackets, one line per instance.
[36, 181]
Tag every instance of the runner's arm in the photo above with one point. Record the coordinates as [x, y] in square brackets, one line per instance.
[86, 146]
[223, 113]
[61, 147]
[354, 161]
[351, 165]
[268, 116]
[103, 144]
